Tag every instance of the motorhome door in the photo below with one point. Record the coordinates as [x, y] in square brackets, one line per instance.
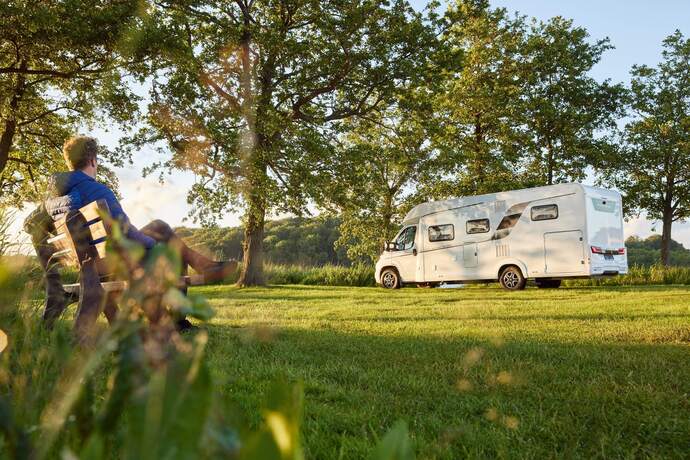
[469, 255]
[405, 255]
[563, 252]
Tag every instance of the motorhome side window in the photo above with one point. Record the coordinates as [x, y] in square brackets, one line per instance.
[545, 212]
[441, 233]
[477, 226]
[406, 239]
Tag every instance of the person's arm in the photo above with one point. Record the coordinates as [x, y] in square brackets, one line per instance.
[118, 213]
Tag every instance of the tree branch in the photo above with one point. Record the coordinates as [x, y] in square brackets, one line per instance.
[46, 113]
[20, 160]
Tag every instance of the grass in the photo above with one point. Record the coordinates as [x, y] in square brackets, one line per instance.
[475, 372]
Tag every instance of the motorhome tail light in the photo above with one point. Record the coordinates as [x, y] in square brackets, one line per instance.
[597, 250]
[621, 251]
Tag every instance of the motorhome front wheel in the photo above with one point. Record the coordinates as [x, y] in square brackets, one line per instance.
[390, 279]
[511, 279]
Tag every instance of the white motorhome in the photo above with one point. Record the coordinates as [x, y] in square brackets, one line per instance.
[544, 233]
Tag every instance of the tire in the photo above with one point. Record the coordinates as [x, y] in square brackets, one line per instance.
[511, 279]
[390, 279]
[548, 284]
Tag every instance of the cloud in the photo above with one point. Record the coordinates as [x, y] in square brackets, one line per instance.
[146, 199]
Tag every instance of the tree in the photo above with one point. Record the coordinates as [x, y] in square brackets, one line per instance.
[654, 169]
[375, 171]
[566, 113]
[58, 63]
[476, 128]
[247, 93]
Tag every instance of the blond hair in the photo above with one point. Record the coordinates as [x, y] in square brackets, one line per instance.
[79, 151]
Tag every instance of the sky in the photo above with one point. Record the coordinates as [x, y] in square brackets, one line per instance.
[636, 29]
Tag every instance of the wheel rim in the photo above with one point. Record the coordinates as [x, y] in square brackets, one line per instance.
[389, 280]
[511, 280]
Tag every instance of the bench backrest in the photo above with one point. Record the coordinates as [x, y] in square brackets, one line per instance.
[81, 234]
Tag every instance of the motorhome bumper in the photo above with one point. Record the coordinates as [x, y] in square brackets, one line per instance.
[609, 273]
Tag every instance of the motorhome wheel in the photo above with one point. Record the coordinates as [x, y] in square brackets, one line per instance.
[390, 279]
[511, 279]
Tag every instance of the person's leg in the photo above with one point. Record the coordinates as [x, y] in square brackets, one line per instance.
[163, 233]
[39, 226]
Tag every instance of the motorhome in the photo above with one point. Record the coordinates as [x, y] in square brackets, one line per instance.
[545, 234]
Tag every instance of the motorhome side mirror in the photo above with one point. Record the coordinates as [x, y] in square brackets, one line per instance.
[390, 246]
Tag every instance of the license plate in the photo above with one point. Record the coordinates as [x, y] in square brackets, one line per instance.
[608, 256]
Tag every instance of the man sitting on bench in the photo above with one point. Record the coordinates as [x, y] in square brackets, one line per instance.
[77, 188]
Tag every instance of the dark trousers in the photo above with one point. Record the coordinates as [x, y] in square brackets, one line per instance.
[163, 233]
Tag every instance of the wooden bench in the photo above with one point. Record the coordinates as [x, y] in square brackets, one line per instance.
[79, 241]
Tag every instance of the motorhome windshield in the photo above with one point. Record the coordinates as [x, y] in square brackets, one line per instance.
[405, 239]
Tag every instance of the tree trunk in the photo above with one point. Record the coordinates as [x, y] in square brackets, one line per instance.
[667, 220]
[253, 251]
[6, 142]
[252, 246]
[478, 162]
[549, 162]
[10, 125]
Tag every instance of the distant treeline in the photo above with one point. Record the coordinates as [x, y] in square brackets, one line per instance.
[645, 252]
[310, 242]
[294, 241]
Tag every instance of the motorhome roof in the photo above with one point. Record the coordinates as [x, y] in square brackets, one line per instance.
[432, 207]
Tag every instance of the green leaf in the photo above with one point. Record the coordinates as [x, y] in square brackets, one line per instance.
[279, 434]
[395, 445]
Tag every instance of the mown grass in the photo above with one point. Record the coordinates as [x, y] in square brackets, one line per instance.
[573, 372]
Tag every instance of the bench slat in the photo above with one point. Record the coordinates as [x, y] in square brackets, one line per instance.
[98, 231]
[108, 286]
[100, 248]
[56, 238]
[116, 286]
[91, 211]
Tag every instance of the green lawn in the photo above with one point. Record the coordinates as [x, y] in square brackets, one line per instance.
[477, 372]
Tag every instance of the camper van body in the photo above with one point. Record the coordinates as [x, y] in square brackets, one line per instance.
[548, 233]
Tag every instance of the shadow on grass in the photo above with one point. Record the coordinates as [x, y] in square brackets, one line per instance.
[465, 397]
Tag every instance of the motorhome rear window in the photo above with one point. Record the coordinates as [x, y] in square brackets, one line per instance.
[545, 212]
[603, 205]
[441, 233]
[477, 226]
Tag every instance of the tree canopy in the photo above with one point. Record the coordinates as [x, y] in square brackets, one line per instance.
[246, 94]
[59, 70]
[654, 167]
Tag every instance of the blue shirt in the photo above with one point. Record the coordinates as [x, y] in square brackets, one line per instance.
[76, 189]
